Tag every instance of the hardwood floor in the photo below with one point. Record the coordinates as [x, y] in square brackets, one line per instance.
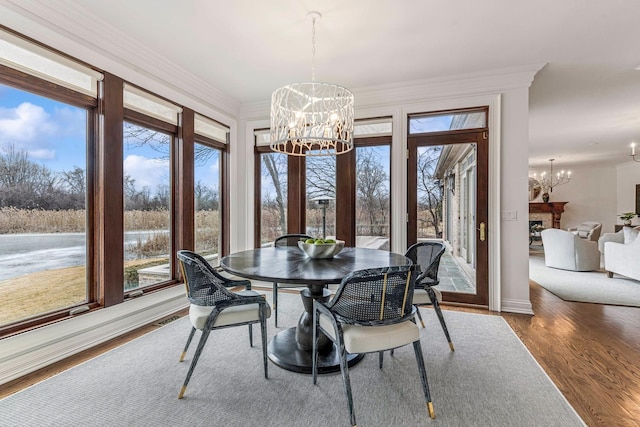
[590, 351]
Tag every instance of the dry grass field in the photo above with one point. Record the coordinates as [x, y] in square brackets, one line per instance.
[46, 291]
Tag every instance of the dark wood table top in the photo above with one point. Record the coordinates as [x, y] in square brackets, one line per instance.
[291, 265]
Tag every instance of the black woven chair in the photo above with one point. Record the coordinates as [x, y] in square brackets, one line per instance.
[372, 311]
[284, 240]
[214, 306]
[427, 255]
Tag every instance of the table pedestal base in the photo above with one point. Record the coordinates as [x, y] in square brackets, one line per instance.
[283, 350]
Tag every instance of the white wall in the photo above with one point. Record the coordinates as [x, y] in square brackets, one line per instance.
[597, 194]
[627, 178]
[591, 193]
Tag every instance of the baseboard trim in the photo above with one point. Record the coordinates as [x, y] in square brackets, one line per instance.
[516, 306]
[25, 353]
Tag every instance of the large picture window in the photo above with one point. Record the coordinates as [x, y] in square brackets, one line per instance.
[43, 205]
[207, 205]
[98, 183]
[147, 206]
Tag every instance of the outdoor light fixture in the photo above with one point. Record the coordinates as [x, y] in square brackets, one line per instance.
[311, 118]
[323, 201]
[548, 182]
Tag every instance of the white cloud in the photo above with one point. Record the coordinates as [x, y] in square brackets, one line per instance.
[42, 154]
[30, 127]
[24, 124]
[146, 172]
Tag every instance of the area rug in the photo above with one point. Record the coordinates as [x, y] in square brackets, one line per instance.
[490, 380]
[584, 286]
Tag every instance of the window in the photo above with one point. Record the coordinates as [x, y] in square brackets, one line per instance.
[147, 206]
[441, 122]
[43, 205]
[273, 200]
[210, 181]
[207, 179]
[96, 189]
[272, 191]
[373, 196]
[355, 184]
[321, 196]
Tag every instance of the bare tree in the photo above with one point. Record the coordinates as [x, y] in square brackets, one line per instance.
[372, 189]
[429, 188]
[26, 184]
[321, 176]
[275, 167]
[205, 197]
[74, 184]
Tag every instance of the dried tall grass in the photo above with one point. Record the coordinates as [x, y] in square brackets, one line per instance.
[13, 221]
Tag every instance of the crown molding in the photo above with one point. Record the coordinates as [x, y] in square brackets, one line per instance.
[461, 85]
[98, 43]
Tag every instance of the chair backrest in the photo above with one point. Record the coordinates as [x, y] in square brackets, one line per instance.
[427, 255]
[290, 239]
[589, 230]
[376, 296]
[204, 285]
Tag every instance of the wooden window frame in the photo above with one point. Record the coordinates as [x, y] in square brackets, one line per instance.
[296, 190]
[29, 83]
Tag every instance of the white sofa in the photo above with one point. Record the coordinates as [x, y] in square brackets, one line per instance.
[623, 257]
[567, 251]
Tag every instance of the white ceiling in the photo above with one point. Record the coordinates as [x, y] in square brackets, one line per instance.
[584, 104]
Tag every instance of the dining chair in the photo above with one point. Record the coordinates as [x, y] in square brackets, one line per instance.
[214, 306]
[285, 240]
[428, 255]
[372, 311]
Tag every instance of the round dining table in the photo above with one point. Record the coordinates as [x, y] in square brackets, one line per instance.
[291, 348]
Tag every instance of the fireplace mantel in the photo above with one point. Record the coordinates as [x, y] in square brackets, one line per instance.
[553, 208]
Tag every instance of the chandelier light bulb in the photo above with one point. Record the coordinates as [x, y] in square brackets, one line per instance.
[552, 180]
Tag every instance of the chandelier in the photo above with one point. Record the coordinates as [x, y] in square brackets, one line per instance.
[633, 152]
[548, 182]
[311, 118]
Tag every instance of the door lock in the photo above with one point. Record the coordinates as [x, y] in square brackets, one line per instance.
[482, 232]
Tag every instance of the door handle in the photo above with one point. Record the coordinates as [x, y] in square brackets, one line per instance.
[482, 231]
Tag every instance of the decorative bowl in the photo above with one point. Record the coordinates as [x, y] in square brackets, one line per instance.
[321, 250]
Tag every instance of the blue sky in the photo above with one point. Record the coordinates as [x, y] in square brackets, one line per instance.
[54, 134]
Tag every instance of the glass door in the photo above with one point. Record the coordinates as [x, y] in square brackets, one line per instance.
[448, 198]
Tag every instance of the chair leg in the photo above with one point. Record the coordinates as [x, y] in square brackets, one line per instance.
[419, 316]
[423, 377]
[275, 303]
[314, 347]
[186, 347]
[263, 331]
[196, 356]
[251, 335]
[344, 369]
[381, 358]
[436, 307]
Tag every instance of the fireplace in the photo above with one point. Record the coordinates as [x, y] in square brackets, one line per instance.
[549, 213]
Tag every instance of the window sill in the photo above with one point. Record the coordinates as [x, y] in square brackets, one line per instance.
[32, 350]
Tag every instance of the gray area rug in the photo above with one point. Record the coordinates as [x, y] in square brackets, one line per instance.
[490, 380]
[584, 286]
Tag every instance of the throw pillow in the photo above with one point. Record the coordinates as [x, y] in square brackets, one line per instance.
[630, 234]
